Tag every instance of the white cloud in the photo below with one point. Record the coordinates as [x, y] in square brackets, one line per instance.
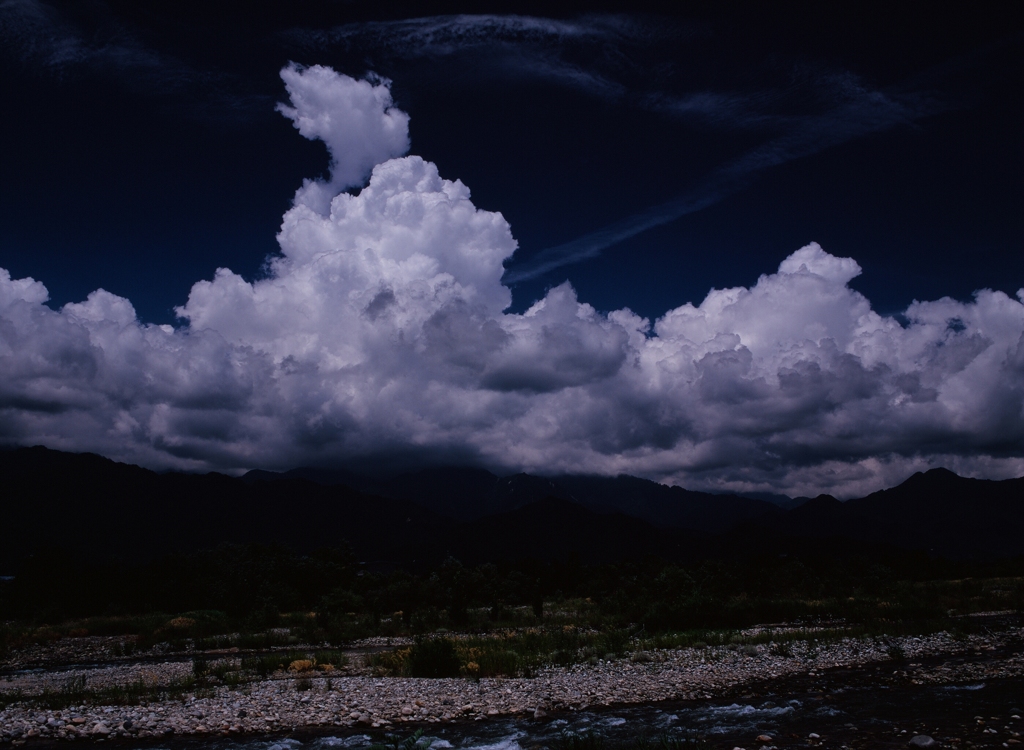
[355, 119]
[381, 332]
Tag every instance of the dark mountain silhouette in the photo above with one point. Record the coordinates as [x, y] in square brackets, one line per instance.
[557, 529]
[941, 512]
[87, 504]
[670, 507]
[465, 494]
[783, 501]
[936, 511]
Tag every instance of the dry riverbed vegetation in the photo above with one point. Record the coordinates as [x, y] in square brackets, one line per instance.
[319, 642]
[96, 687]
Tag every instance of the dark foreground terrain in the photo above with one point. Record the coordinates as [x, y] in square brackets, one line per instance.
[963, 692]
[570, 613]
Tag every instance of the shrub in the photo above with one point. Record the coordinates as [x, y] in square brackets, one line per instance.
[393, 663]
[434, 658]
[326, 659]
[200, 667]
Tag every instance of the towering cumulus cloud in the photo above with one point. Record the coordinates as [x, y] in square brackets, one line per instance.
[380, 333]
[354, 118]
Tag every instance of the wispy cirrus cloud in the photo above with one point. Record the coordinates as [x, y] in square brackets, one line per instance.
[42, 38]
[856, 110]
[799, 109]
[589, 54]
[446, 35]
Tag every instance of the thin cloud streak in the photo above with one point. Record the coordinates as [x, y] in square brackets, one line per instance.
[444, 35]
[518, 46]
[864, 113]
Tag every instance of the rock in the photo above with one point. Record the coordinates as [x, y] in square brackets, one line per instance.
[100, 728]
[539, 713]
[78, 720]
[763, 738]
[364, 719]
[922, 741]
[814, 736]
[406, 711]
[128, 724]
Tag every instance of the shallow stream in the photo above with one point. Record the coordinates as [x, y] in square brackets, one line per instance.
[846, 709]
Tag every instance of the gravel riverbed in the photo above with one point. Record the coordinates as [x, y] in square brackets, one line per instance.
[291, 703]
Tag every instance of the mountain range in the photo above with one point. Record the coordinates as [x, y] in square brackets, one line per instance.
[88, 504]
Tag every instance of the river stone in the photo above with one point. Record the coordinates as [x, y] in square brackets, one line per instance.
[100, 728]
[922, 741]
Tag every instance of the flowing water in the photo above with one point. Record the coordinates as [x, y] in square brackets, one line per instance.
[847, 710]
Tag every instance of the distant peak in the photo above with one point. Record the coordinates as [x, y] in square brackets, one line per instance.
[941, 471]
[940, 474]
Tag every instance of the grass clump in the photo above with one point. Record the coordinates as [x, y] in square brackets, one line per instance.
[264, 665]
[504, 654]
[76, 692]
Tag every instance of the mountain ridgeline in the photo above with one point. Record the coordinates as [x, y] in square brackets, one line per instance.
[86, 504]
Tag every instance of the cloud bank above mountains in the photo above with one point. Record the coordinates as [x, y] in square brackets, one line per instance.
[379, 336]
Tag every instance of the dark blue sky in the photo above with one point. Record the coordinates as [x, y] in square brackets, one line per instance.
[644, 153]
[143, 152]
